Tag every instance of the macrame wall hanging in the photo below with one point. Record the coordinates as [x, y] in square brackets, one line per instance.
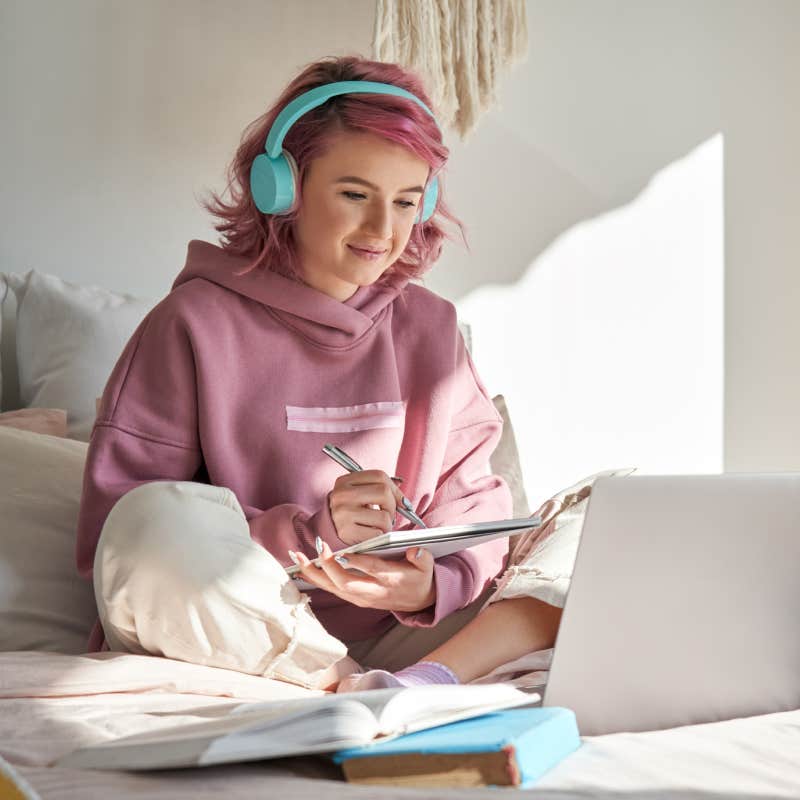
[461, 48]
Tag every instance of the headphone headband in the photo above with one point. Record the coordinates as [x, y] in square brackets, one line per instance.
[321, 94]
[273, 174]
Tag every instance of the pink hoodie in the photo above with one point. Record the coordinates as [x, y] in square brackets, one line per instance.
[238, 381]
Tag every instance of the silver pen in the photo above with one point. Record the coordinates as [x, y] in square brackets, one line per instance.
[340, 457]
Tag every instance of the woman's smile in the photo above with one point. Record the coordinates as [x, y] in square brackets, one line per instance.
[369, 255]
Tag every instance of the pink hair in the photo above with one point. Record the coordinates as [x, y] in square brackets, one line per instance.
[269, 239]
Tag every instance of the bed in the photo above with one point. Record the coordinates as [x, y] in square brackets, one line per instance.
[59, 341]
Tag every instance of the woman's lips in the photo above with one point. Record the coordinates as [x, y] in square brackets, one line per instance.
[369, 255]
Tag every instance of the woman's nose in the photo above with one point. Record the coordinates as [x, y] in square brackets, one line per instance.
[379, 221]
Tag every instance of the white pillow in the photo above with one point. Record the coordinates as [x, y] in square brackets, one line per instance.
[540, 562]
[3, 290]
[44, 604]
[69, 338]
[466, 332]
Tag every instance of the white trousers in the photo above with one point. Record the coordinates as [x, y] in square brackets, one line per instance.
[176, 574]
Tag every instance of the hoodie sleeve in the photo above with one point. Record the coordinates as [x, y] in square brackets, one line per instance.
[289, 526]
[146, 427]
[147, 430]
[466, 491]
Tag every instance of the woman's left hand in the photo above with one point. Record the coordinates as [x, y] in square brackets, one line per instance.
[401, 585]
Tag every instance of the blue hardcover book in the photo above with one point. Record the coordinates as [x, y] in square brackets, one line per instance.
[506, 748]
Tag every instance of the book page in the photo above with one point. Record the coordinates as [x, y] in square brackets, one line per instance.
[325, 729]
[420, 707]
[375, 700]
[271, 733]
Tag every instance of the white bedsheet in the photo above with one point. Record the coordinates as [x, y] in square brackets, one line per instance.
[51, 704]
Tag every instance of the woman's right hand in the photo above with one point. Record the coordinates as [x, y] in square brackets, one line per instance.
[363, 505]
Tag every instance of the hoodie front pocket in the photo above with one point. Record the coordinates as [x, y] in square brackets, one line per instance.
[332, 419]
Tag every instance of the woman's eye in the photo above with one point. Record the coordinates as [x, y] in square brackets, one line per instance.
[362, 196]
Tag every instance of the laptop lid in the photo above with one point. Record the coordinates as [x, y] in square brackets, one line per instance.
[684, 603]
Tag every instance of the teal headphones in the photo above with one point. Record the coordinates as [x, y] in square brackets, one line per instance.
[274, 173]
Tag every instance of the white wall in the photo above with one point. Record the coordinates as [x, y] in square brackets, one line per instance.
[120, 114]
[612, 343]
[116, 115]
[614, 92]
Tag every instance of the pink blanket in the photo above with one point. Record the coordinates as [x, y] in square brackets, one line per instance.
[40, 674]
[51, 704]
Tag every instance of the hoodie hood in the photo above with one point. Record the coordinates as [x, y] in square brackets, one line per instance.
[310, 312]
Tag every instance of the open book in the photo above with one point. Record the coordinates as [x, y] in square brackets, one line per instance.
[439, 541]
[252, 731]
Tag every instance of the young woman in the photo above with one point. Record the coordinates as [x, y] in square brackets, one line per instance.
[205, 474]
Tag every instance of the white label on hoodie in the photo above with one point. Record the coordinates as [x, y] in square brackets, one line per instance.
[346, 418]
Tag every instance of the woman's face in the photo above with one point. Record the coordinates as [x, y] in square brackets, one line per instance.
[364, 192]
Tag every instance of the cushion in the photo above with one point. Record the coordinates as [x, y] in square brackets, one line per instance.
[44, 604]
[505, 459]
[541, 560]
[3, 290]
[52, 421]
[69, 338]
[505, 463]
[466, 333]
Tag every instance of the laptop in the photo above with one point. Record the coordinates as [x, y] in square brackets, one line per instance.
[684, 605]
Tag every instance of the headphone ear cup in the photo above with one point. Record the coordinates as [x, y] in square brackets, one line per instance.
[429, 201]
[272, 183]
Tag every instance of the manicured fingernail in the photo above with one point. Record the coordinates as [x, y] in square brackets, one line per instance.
[318, 544]
[293, 556]
[420, 551]
[341, 560]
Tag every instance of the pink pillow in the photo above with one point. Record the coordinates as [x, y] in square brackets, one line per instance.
[50, 421]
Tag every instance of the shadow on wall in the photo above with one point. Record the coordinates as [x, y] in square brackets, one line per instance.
[514, 199]
[610, 346]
